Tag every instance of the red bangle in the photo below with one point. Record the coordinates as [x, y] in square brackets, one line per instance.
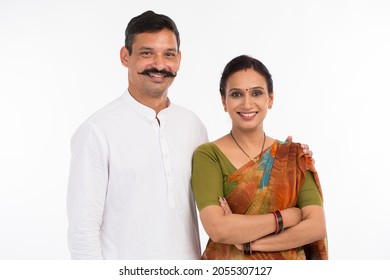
[279, 221]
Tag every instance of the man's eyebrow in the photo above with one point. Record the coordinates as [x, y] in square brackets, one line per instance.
[145, 48]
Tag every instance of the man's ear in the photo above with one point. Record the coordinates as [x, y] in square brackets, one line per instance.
[124, 54]
[179, 56]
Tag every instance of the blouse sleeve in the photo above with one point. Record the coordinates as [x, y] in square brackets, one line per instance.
[309, 193]
[207, 178]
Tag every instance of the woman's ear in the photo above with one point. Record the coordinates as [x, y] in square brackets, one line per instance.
[223, 99]
[270, 100]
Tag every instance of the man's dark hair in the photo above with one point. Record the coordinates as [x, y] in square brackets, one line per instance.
[149, 22]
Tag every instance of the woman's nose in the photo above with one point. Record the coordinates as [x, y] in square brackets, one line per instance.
[247, 101]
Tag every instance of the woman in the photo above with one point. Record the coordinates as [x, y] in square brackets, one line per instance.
[259, 198]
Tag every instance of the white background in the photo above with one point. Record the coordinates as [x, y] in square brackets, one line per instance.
[59, 63]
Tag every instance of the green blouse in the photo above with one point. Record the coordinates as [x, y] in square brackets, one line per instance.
[211, 169]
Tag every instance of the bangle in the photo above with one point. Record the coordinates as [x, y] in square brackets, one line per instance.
[279, 221]
[246, 247]
[276, 223]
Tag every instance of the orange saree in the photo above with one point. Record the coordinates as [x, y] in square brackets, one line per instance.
[271, 184]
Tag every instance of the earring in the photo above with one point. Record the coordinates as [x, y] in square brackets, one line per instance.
[269, 107]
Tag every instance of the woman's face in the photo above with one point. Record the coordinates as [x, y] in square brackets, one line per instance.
[247, 99]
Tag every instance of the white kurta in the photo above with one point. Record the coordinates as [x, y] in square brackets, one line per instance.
[129, 193]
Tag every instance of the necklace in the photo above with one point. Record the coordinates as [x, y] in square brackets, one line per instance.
[252, 159]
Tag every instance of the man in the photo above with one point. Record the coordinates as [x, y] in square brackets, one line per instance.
[129, 191]
[129, 194]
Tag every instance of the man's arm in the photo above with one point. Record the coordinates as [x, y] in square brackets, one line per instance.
[87, 188]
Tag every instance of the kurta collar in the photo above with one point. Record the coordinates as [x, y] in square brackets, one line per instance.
[146, 112]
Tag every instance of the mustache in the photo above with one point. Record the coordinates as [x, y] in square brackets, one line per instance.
[156, 71]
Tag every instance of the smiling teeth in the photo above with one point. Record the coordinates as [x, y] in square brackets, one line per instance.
[248, 114]
[156, 75]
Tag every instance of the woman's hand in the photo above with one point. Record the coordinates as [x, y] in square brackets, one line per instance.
[291, 216]
[225, 206]
[227, 211]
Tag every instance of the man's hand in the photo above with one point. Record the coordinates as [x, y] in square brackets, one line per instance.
[305, 147]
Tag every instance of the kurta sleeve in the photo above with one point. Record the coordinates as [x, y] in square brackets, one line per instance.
[87, 189]
[207, 177]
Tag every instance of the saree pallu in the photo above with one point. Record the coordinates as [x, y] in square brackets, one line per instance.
[270, 184]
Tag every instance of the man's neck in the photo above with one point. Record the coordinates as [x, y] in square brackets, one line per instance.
[156, 103]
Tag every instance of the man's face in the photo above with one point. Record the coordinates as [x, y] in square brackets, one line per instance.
[153, 64]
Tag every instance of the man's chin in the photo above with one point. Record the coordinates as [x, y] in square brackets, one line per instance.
[157, 90]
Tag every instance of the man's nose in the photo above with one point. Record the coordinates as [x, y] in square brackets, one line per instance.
[159, 62]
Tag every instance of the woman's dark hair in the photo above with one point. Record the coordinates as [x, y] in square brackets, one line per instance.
[244, 62]
[149, 22]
